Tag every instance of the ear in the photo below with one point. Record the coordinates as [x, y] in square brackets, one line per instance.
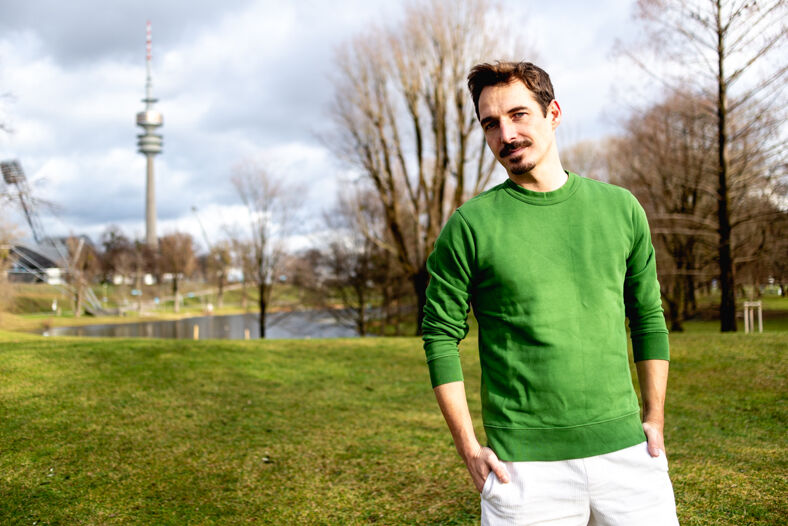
[554, 113]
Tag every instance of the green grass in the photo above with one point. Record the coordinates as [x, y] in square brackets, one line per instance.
[773, 321]
[96, 431]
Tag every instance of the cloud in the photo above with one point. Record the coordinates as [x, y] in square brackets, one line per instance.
[80, 32]
[243, 79]
[54, 109]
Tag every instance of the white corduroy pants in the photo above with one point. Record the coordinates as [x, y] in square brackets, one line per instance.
[624, 488]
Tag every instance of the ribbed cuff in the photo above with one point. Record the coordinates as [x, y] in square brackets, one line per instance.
[651, 346]
[445, 369]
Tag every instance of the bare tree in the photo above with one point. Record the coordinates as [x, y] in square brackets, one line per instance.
[663, 158]
[775, 251]
[83, 267]
[352, 264]
[143, 261]
[176, 257]
[667, 157]
[403, 117]
[733, 52]
[761, 249]
[348, 275]
[242, 258]
[306, 273]
[587, 158]
[218, 262]
[271, 208]
[117, 259]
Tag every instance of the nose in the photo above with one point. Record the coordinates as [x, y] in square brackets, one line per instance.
[507, 130]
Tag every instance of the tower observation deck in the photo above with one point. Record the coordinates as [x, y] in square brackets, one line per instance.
[149, 144]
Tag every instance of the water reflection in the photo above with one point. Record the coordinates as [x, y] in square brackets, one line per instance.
[302, 324]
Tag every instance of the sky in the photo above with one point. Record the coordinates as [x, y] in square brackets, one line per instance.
[236, 80]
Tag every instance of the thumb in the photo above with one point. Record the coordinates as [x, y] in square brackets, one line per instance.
[499, 469]
[654, 441]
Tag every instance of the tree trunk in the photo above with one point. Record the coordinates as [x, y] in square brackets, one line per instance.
[727, 283]
[384, 319]
[397, 317]
[78, 302]
[677, 322]
[361, 324]
[176, 298]
[420, 281]
[690, 300]
[263, 307]
[390, 294]
[675, 326]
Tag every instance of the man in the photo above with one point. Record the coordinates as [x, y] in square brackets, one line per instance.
[552, 264]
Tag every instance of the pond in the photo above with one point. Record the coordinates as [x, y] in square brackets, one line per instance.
[298, 324]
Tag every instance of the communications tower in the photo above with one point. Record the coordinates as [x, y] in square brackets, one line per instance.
[149, 144]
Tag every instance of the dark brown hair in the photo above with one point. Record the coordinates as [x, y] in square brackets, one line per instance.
[535, 79]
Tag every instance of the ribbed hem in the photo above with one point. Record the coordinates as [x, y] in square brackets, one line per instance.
[650, 346]
[564, 443]
[445, 369]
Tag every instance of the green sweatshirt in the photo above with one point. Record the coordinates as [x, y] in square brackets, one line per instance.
[550, 277]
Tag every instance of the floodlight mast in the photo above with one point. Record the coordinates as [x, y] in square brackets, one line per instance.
[149, 144]
[14, 175]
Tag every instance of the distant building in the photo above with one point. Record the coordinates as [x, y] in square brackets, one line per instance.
[35, 265]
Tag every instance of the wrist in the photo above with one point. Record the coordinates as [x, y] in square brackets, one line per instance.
[653, 426]
[469, 451]
[653, 413]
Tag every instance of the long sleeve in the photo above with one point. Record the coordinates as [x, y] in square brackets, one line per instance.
[448, 300]
[642, 297]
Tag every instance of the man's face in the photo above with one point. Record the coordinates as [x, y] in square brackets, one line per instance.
[518, 133]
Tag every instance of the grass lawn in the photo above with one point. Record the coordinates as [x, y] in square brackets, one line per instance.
[97, 431]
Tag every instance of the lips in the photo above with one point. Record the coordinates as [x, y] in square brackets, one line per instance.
[508, 149]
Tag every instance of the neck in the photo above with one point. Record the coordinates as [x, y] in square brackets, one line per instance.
[545, 177]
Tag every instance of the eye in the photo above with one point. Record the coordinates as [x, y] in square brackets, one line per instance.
[490, 125]
[519, 114]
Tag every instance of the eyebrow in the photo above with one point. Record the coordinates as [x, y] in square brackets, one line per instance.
[509, 112]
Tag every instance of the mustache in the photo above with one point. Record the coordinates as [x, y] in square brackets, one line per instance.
[512, 146]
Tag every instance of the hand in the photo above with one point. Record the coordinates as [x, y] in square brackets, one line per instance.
[481, 463]
[654, 438]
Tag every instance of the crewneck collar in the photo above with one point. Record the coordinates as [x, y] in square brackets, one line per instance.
[561, 193]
